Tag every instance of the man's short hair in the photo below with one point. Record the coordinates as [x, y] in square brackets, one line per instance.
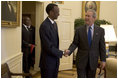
[93, 11]
[50, 7]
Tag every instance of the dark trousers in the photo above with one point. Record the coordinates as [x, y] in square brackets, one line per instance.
[50, 72]
[86, 73]
[26, 60]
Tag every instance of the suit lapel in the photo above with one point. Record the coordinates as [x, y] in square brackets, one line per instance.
[52, 28]
[94, 35]
[26, 28]
[51, 25]
[85, 35]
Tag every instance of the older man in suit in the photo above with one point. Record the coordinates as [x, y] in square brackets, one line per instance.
[28, 40]
[91, 44]
[50, 53]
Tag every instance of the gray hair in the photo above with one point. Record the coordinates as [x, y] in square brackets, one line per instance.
[93, 11]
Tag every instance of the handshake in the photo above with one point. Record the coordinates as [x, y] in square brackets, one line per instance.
[66, 53]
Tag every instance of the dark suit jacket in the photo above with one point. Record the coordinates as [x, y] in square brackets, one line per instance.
[28, 37]
[50, 52]
[85, 53]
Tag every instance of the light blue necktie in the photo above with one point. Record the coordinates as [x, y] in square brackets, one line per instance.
[89, 36]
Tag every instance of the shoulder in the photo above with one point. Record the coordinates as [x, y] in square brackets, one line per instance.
[80, 28]
[23, 26]
[99, 28]
[45, 25]
[46, 22]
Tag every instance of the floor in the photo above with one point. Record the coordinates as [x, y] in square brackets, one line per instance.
[69, 74]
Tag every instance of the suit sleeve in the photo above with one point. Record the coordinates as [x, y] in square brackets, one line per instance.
[47, 44]
[102, 47]
[24, 43]
[75, 42]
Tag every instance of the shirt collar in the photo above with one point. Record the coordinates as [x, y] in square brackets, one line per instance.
[92, 27]
[51, 20]
[26, 26]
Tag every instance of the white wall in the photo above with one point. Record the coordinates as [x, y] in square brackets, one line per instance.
[76, 7]
[108, 11]
[11, 47]
[10, 42]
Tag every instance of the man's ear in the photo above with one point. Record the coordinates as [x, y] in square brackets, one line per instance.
[51, 12]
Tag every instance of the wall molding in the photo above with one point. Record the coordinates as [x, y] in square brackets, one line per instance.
[15, 63]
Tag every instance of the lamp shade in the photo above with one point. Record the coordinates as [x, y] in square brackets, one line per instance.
[110, 35]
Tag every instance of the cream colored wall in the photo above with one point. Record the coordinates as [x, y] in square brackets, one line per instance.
[11, 47]
[75, 5]
[10, 42]
[108, 11]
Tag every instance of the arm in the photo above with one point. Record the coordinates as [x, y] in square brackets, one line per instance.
[26, 44]
[24, 37]
[102, 47]
[48, 44]
[75, 42]
[102, 51]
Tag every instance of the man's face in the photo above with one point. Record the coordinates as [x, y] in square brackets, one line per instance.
[89, 19]
[27, 21]
[55, 12]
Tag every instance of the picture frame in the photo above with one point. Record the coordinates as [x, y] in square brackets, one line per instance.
[10, 13]
[58, 2]
[90, 5]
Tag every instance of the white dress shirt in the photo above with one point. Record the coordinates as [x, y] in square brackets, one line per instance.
[26, 27]
[51, 20]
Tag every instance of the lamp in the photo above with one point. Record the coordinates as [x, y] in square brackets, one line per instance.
[110, 35]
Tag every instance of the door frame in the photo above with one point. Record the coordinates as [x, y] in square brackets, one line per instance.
[39, 20]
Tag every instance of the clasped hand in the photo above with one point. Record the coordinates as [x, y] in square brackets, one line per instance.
[66, 53]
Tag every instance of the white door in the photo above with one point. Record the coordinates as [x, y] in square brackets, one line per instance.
[66, 30]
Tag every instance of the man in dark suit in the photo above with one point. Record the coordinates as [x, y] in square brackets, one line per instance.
[91, 44]
[50, 53]
[28, 40]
